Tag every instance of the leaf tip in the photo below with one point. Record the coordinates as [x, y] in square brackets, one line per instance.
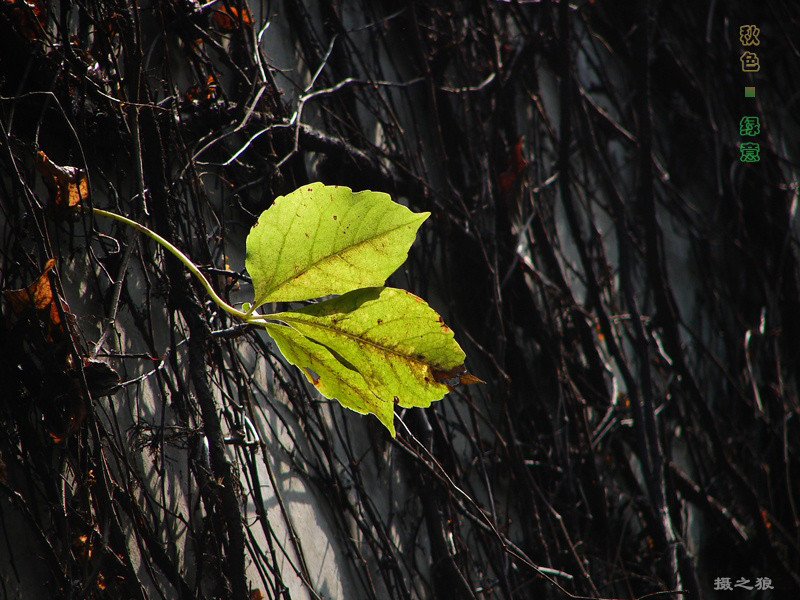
[455, 377]
[389, 424]
[469, 379]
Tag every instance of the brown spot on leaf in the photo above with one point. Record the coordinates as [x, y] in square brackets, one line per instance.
[335, 217]
[380, 321]
[313, 377]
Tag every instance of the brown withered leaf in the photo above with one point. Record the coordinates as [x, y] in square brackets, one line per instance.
[206, 92]
[38, 295]
[30, 16]
[469, 379]
[455, 377]
[68, 185]
[227, 18]
[40, 298]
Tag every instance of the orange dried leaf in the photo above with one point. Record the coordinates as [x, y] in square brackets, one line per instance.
[455, 377]
[228, 18]
[600, 335]
[204, 92]
[38, 295]
[68, 185]
[469, 379]
[40, 298]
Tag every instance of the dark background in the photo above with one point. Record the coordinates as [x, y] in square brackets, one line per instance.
[627, 288]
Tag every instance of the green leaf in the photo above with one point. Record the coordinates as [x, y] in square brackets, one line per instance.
[321, 240]
[383, 340]
[332, 378]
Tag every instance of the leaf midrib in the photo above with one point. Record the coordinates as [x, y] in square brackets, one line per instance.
[368, 396]
[279, 316]
[328, 257]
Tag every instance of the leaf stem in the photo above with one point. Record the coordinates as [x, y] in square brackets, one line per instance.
[181, 257]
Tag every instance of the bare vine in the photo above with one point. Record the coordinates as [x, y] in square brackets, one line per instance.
[626, 286]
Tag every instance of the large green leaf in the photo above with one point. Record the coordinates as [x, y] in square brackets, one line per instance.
[321, 240]
[330, 376]
[389, 339]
